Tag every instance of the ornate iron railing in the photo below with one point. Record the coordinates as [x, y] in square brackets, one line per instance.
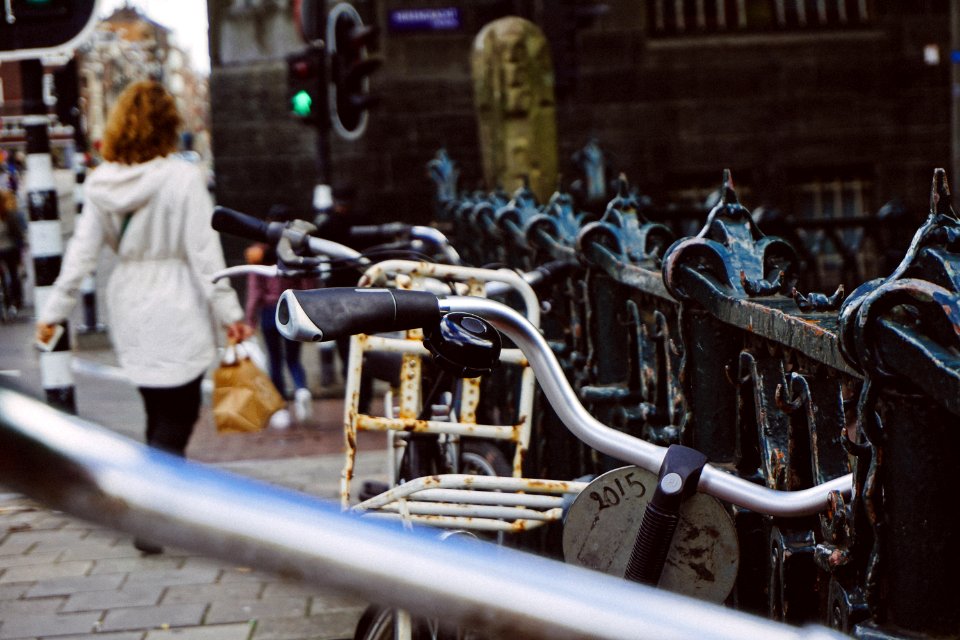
[706, 341]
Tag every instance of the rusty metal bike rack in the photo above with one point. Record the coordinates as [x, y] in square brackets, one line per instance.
[471, 502]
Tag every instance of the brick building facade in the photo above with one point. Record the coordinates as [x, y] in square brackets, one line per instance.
[819, 108]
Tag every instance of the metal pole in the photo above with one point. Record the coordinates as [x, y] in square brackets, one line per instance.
[90, 472]
[44, 231]
[322, 192]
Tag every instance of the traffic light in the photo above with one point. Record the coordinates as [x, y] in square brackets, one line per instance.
[348, 42]
[36, 28]
[306, 86]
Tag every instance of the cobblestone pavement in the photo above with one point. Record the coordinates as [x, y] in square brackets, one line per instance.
[63, 578]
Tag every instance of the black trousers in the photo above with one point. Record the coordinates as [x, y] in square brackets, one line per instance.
[11, 257]
[171, 415]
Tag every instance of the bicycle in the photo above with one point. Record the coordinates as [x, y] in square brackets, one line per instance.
[434, 448]
[437, 479]
[300, 253]
[302, 313]
[453, 416]
[680, 472]
[605, 440]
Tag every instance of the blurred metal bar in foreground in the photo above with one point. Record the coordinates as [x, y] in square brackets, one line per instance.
[80, 468]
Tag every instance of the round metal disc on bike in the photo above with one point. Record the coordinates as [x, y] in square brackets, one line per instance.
[602, 525]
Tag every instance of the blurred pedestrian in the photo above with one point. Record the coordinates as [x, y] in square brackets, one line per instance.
[263, 293]
[10, 169]
[153, 210]
[12, 234]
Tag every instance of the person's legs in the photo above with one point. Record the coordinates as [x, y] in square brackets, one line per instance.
[302, 398]
[291, 350]
[11, 257]
[273, 340]
[172, 413]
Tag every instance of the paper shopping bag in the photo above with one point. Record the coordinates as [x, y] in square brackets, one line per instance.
[244, 397]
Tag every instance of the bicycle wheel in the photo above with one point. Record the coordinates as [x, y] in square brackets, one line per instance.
[481, 458]
[378, 623]
[421, 457]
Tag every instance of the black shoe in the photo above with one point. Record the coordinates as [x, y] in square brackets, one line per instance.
[146, 548]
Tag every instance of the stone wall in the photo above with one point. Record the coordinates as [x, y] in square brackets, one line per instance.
[780, 108]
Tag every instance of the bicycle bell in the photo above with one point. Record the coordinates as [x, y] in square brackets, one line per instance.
[464, 345]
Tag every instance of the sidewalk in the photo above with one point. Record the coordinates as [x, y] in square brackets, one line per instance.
[64, 578]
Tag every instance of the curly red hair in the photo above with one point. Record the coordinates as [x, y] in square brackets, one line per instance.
[142, 125]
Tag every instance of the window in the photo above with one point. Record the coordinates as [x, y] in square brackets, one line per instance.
[834, 198]
[693, 17]
[833, 221]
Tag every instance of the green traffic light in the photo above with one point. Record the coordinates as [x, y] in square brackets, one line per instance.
[302, 103]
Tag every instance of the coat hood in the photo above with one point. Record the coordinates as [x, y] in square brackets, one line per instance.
[120, 188]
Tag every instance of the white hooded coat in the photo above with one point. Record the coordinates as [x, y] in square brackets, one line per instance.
[161, 303]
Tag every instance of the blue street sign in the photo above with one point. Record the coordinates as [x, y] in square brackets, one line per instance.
[434, 19]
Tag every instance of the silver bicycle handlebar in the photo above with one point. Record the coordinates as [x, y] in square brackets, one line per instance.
[333, 250]
[564, 401]
[294, 321]
[438, 239]
[268, 271]
[433, 285]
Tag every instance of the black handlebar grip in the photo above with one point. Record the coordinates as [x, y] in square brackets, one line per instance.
[547, 273]
[339, 312]
[226, 220]
[556, 268]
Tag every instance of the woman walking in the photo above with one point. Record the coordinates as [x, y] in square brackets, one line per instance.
[153, 210]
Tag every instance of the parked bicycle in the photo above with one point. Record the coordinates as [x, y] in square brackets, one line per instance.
[450, 471]
[679, 471]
